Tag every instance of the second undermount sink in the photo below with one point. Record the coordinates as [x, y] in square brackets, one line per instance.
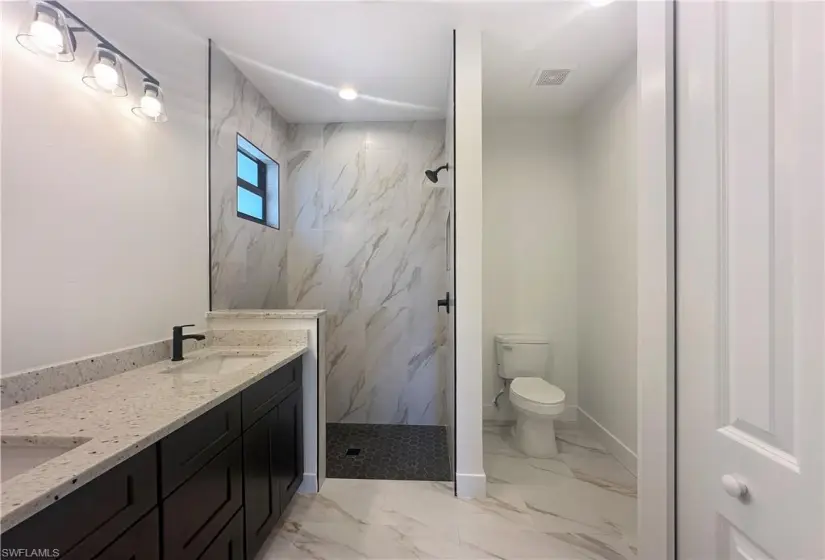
[20, 454]
[216, 363]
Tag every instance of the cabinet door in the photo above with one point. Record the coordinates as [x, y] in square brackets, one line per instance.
[110, 504]
[189, 448]
[197, 511]
[262, 501]
[141, 542]
[289, 462]
[261, 397]
[228, 545]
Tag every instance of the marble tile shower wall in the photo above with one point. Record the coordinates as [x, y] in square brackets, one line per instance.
[248, 260]
[367, 244]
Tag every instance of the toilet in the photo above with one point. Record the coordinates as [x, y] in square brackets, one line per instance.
[523, 362]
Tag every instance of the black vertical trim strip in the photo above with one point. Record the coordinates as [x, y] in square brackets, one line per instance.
[209, 164]
[317, 407]
[159, 492]
[455, 295]
[673, 269]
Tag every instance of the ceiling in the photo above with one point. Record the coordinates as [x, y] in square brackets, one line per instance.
[397, 54]
[594, 43]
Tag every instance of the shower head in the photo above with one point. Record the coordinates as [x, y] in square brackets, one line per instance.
[432, 175]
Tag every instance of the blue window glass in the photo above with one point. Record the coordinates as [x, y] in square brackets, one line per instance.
[250, 204]
[248, 169]
[257, 185]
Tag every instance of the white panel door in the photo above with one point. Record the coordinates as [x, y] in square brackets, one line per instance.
[750, 307]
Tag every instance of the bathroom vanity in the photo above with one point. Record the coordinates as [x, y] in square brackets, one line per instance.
[197, 460]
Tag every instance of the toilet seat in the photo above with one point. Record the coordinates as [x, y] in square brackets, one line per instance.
[533, 394]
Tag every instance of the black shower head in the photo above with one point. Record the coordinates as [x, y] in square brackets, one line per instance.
[432, 175]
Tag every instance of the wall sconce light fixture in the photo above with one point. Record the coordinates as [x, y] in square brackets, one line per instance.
[151, 104]
[105, 72]
[49, 33]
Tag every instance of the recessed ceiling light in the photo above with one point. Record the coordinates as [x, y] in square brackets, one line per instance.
[347, 93]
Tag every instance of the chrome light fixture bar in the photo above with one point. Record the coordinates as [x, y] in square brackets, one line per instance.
[50, 33]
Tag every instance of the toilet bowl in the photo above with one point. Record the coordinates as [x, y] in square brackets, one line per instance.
[537, 404]
[523, 361]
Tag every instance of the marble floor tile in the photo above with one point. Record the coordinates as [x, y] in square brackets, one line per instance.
[368, 541]
[496, 440]
[571, 505]
[575, 507]
[524, 470]
[601, 547]
[524, 544]
[569, 435]
[339, 504]
[582, 490]
[600, 469]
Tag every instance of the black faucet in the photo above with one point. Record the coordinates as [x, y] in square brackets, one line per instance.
[177, 341]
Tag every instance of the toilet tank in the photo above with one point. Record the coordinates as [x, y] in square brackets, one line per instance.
[522, 355]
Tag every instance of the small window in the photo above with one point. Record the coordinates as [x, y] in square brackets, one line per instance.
[258, 185]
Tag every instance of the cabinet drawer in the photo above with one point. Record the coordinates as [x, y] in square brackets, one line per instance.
[141, 542]
[189, 448]
[229, 543]
[195, 513]
[259, 399]
[93, 516]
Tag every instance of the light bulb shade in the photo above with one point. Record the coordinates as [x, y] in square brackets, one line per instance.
[105, 72]
[151, 105]
[46, 33]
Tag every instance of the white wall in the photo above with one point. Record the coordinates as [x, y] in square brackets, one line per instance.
[560, 255]
[470, 478]
[530, 195]
[104, 215]
[655, 353]
[607, 269]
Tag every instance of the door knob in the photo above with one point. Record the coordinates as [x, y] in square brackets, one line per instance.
[734, 486]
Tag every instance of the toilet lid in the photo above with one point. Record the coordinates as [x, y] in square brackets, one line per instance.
[537, 390]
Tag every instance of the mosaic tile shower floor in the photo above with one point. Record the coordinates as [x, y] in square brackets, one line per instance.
[387, 452]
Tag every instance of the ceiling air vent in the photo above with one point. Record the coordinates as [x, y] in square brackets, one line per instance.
[551, 77]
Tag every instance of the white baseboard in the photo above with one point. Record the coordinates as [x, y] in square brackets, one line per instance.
[613, 444]
[471, 485]
[309, 484]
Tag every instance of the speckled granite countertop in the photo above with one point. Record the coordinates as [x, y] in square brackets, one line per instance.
[120, 415]
[267, 313]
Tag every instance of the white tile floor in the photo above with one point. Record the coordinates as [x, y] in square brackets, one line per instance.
[579, 506]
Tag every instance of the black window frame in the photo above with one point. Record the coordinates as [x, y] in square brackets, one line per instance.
[257, 190]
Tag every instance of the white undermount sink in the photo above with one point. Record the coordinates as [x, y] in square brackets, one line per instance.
[216, 363]
[20, 454]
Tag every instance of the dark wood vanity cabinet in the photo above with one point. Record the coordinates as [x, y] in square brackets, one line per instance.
[85, 522]
[272, 469]
[212, 490]
[289, 467]
[229, 544]
[197, 512]
[188, 449]
[138, 543]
